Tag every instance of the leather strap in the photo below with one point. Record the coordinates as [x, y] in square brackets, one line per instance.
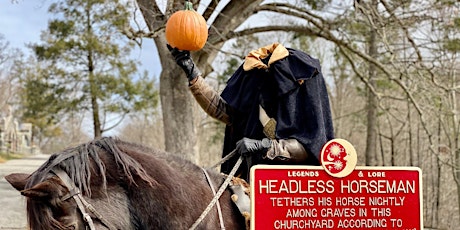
[82, 204]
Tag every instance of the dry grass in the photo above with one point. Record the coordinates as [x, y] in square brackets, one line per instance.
[5, 157]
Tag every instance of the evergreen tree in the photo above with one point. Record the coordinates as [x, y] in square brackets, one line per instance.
[84, 66]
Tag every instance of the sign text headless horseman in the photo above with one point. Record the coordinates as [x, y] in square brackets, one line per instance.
[338, 195]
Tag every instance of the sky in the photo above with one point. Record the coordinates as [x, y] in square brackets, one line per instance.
[21, 22]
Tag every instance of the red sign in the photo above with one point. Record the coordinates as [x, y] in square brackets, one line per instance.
[306, 197]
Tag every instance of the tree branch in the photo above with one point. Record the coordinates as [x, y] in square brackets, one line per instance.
[292, 10]
[255, 30]
[152, 14]
[231, 16]
[137, 35]
[210, 9]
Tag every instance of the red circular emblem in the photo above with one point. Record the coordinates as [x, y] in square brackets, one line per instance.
[338, 157]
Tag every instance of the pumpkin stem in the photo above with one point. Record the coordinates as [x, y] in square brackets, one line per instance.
[188, 5]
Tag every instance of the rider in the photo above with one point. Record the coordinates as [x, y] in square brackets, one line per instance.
[275, 107]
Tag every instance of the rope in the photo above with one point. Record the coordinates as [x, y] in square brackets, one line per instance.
[219, 210]
[219, 193]
[224, 159]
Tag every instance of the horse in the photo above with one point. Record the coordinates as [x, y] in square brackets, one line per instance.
[122, 185]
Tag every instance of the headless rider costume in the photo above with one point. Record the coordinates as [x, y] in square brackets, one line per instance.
[275, 107]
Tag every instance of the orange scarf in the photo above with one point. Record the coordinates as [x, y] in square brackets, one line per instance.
[255, 57]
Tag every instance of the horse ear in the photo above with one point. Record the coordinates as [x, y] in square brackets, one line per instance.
[18, 180]
[42, 190]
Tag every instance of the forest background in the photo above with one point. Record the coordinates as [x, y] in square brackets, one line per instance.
[392, 69]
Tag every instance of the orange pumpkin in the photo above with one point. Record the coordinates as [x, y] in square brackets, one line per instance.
[186, 29]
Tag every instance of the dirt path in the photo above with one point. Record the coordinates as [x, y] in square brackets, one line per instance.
[12, 204]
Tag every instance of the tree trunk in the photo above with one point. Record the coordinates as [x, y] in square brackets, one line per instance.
[456, 142]
[371, 139]
[96, 121]
[176, 100]
[176, 105]
[92, 81]
[457, 175]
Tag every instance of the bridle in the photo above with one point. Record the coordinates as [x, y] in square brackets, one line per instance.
[82, 204]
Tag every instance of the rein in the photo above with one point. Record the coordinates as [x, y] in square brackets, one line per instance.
[221, 190]
[219, 210]
[82, 204]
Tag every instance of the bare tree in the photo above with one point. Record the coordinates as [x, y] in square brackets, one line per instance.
[8, 56]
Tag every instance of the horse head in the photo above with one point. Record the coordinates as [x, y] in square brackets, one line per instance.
[73, 188]
[48, 197]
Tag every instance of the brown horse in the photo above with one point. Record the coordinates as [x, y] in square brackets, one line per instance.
[121, 185]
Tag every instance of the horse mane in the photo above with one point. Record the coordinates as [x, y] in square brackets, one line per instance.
[76, 162]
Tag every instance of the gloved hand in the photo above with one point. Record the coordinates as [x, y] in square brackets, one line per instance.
[184, 60]
[246, 146]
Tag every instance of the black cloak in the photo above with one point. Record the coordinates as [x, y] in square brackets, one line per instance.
[293, 92]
